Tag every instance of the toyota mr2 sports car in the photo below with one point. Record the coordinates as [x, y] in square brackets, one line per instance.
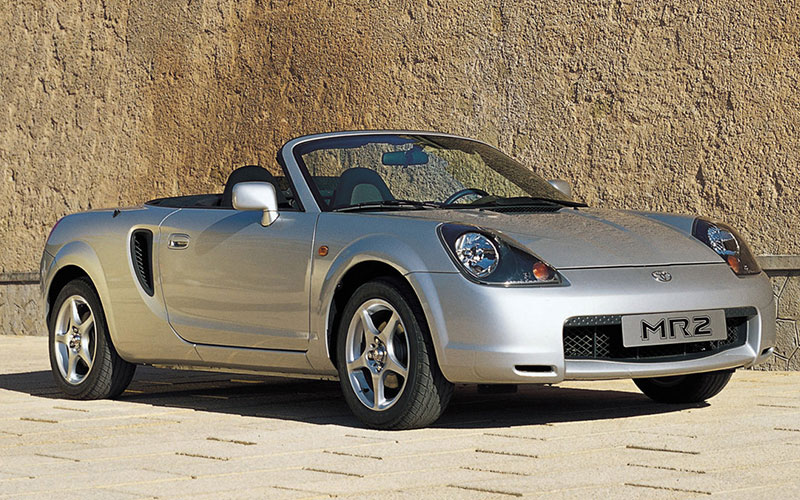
[402, 263]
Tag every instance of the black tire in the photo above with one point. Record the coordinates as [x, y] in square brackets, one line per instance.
[426, 392]
[109, 374]
[684, 388]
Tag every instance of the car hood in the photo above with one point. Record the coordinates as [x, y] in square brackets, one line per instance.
[585, 237]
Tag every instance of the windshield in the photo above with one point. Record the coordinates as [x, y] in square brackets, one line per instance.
[396, 170]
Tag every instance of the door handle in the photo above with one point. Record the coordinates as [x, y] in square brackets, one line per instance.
[178, 241]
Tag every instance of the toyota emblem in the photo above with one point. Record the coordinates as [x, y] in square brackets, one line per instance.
[661, 276]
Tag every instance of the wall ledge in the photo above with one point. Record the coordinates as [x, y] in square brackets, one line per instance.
[777, 263]
[19, 278]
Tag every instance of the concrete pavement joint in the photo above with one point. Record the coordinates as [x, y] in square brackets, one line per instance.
[343, 454]
[126, 417]
[70, 409]
[371, 437]
[651, 433]
[484, 490]
[507, 453]
[665, 450]
[668, 488]
[326, 471]
[40, 420]
[300, 490]
[233, 441]
[496, 434]
[197, 455]
[494, 471]
[663, 467]
[45, 455]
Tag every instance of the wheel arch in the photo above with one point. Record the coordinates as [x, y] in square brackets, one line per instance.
[60, 279]
[75, 260]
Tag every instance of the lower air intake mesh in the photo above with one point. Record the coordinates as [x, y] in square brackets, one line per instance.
[600, 337]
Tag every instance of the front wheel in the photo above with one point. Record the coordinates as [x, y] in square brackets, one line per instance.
[84, 363]
[387, 367]
[684, 388]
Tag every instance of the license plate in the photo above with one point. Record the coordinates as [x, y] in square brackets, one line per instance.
[673, 328]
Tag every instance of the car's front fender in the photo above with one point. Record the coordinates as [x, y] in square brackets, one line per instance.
[78, 253]
[406, 250]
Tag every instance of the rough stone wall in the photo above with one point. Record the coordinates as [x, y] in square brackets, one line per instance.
[21, 311]
[786, 287]
[666, 105]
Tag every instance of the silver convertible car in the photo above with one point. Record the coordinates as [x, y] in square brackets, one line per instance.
[402, 263]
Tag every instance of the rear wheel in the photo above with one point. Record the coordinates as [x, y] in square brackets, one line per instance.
[387, 368]
[84, 363]
[684, 388]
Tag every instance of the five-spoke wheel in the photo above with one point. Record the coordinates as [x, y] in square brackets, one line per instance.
[386, 362]
[376, 353]
[75, 343]
[84, 363]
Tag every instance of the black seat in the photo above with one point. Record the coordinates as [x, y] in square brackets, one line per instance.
[249, 173]
[360, 185]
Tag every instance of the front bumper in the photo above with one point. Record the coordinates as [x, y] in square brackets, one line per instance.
[488, 334]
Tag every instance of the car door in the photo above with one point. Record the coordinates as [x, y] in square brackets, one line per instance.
[229, 281]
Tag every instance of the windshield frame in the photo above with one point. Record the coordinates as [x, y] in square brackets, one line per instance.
[301, 146]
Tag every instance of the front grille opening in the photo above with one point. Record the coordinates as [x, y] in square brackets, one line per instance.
[600, 337]
[142, 258]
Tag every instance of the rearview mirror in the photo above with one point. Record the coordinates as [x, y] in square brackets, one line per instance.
[257, 196]
[414, 156]
[562, 186]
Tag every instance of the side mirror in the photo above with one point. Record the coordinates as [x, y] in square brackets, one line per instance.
[257, 196]
[562, 186]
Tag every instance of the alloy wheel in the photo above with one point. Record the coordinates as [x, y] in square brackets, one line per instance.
[377, 354]
[75, 340]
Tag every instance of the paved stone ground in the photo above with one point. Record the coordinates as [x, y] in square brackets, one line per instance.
[199, 435]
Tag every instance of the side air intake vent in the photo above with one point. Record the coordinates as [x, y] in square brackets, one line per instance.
[142, 256]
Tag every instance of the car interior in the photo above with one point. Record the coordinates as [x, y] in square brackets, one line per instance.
[247, 173]
[354, 186]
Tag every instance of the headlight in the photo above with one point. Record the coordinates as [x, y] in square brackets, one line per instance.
[477, 254]
[728, 244]
[484, 257]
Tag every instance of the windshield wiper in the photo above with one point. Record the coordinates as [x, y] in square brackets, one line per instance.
[517, 201]
[388, 205]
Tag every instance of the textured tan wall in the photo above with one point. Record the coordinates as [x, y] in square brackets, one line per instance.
[21, 310]
[648, 105]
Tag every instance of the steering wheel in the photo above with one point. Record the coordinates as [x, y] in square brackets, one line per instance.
[462, 193]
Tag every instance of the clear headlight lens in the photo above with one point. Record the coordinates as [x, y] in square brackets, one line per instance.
[477, 254]
[486, 258]
[728, 244]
